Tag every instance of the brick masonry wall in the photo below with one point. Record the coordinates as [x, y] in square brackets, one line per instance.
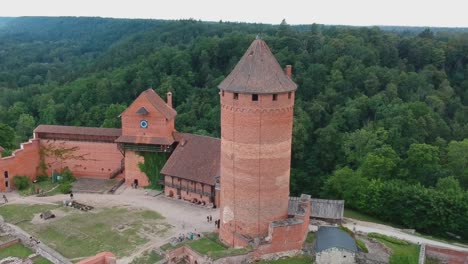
[158, 126]
[100, 159]
[286, 236]
[101, 258]
[186, 253]
[448, 255]
[132, 171]
[255, 163]
[10, 243]
[24, 161]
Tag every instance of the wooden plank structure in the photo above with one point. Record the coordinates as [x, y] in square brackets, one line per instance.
[330, 210]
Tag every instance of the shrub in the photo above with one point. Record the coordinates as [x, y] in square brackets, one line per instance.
[362, 246]
[21, 182]
[65, 187]
[42, 178]
[347, 230]
[393, 240]
[67, 175]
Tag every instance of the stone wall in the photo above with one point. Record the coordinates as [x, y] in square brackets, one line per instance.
[24, 161]
[335, 256]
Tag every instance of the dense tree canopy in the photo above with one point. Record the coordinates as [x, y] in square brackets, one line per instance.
[381, 117]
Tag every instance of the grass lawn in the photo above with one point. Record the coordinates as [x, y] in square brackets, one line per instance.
[17, 250]
[43, 185]
[148, 257]
[209, 245]
[403, 251]
[20, 251]
[292, 260]
[41, 260]
[19, 213]
[350, 213]
[310, 237]
[82, 234]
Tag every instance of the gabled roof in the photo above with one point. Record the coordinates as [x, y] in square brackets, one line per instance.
[332, 237]
[96, 134]
[76, 130]
[258, 72]
[196, 158]
[158, 103]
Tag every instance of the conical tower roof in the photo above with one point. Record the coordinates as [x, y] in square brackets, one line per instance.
[258, 72]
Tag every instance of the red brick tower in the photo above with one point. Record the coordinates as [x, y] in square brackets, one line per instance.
[257, 101]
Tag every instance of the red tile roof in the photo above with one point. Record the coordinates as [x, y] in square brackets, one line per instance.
[94, 134]
[159, 104]
[258, 72]
[196, 158]
[145, 140]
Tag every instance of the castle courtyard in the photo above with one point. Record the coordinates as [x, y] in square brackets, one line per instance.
[117, 214]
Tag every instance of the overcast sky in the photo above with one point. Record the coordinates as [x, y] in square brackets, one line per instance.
[442, 13]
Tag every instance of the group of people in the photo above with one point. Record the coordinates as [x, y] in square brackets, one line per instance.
[209, 219]
[190, 236]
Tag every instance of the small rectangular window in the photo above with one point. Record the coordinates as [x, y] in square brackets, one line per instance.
[254, 97]
[275, 97]
[236, 96]
[289, 95]
[222, 93]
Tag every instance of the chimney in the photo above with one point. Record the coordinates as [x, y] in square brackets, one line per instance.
[169, 99]
[288, 71]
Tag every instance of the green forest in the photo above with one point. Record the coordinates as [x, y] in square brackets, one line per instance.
[381, 116]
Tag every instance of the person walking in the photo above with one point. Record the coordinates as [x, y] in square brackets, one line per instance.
[211, 219]
[71, 195]
[5, 198]
[208, 218]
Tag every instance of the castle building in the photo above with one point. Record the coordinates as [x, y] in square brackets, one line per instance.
[257, 102]
[246, 172]
[188, 166]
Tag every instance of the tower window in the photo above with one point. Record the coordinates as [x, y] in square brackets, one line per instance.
[222, 93]
[254, 97]
[236, 96]
[289, 95]
[275, 97]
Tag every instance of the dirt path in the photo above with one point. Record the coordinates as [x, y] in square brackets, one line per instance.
[368, 227]
[184, 217]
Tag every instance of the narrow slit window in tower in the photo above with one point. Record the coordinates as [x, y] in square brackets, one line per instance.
[236, 96]
[289, 95]
[275, 97]
[254, 97]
